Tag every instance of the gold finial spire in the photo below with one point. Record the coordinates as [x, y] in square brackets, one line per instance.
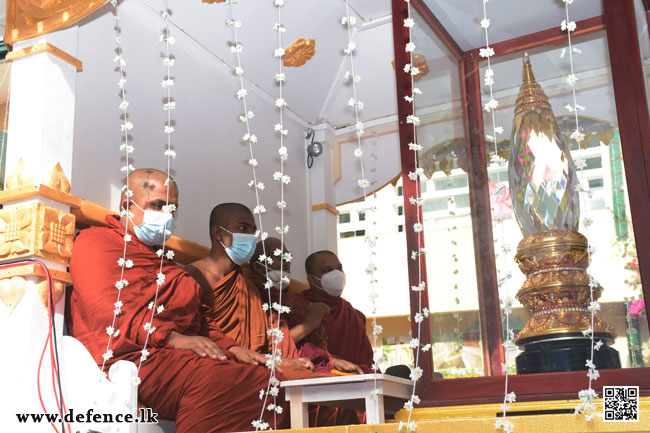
[531, 96]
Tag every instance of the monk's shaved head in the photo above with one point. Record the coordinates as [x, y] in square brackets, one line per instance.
[222, 214]
[145, 181]
[312, 260]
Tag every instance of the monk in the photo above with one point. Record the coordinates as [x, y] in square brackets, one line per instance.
[191, 372]
[304, 319]
[345, 326]
[233, 301]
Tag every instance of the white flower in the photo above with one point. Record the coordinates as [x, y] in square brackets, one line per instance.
[127, 238]
[571, 26]
[241, 93]
[409, 22]
[485, 23]
[170, 153]
[598, 345]
[587, 331]
[363, 183]
[160, 278]
[418, 227]
[160, 309]
[121, 82]
[511, 397]
[110, 330]
[594, 306]
[349, 20]
[239, 71]
[415, 147]
[279, 28]
[358, 153]
[280, 102]
[413, 119]
[108, 355]
[169, 129]
[124, 105]
[571, 79]
[280, 77]
[127, 126]
[281, 204]
[283, 152]
[279, 2]
[416, 373]
[169, 106]
[350, 48]
[578, 136]
[259, 209]
[587, 221]
[279, 52]
[486, 52]
[426, 347]
[491, 105]
[377, 329]
[167, 83]
[145, 354]
[169, 61]
[410, 47]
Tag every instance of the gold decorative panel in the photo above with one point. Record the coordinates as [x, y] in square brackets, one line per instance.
[36, 230]
[58, 180]
[12, 291]
[300, 52]
[20, 175]
[30, 18]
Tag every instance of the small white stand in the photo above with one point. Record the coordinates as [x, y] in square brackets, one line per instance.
[350, 392]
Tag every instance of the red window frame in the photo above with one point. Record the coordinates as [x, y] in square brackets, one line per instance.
[618, 21]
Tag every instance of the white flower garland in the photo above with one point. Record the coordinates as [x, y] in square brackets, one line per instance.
[371, 240]
[276, 335]
[418, 228]
[128, 149]
[587, 396]
[497, 161]
[163, 253]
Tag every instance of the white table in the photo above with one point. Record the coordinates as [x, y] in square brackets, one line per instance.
[351, 392]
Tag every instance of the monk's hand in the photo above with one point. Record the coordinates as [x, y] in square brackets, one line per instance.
[341, 364]
[315, 313]
[299, 362]
[202, 346]
[247, 356]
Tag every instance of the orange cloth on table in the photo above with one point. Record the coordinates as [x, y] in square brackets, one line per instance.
[200, 394]
[296, 303]
[346, 330]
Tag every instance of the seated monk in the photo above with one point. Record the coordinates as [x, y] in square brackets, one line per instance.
[304, 319]
[233, 301]
[192, 372]
[344, 325]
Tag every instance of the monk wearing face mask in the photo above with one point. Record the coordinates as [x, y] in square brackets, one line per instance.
[304, 318]
[344, 325]
[234, 302]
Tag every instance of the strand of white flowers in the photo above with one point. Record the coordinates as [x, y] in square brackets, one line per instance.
[125, 147]
[586, 396]
[354, 102]
[275, 333]
[491, 107]
[418, 228]
[249, 138]
[170, 105]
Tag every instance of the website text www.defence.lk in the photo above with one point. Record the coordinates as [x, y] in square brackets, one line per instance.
[146, 415]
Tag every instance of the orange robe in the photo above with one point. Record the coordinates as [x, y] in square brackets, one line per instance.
[346, 330]
[298, 306]
[200, 394]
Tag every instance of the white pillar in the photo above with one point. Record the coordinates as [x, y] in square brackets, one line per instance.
[40, 133]
[42, 109]
[323, 217]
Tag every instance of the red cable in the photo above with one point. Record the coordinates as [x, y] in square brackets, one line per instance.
[49, 340]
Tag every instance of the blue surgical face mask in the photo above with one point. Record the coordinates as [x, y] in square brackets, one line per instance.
[242, 248]
[156, 227]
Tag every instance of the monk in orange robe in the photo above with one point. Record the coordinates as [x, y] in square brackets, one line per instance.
[233, 301]
[303, 319]
[191, 372]
[345, 325]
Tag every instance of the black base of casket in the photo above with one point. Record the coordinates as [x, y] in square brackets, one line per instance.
[550, 354]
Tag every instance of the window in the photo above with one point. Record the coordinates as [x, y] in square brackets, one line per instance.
[462, 201]
[450, 183]
[435, 204]
[362, 216]
[400, 210]
[400, 228]
[596, 183]
[360, 233]
[400, 191]
[344, 218]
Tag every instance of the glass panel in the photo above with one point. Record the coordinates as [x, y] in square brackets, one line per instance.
[448, 238]
[604, 218]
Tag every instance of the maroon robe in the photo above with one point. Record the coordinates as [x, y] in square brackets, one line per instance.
[200, 394]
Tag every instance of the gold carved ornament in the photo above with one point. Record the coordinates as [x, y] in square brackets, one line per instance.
[12, 290]
[299, 52]
[30, 18]
[36, 230]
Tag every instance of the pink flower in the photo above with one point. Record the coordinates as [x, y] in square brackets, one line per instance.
[637, 309]
[500, 203]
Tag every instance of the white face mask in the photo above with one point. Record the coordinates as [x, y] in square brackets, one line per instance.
[332, 282]
[274, 275]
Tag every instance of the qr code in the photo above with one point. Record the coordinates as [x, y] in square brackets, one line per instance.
[621, 403]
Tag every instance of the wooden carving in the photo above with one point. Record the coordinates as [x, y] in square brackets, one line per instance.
[20, 175]
[58, 180]
[30, 18]
[12, 291]
[16, 234]
[300, 52]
